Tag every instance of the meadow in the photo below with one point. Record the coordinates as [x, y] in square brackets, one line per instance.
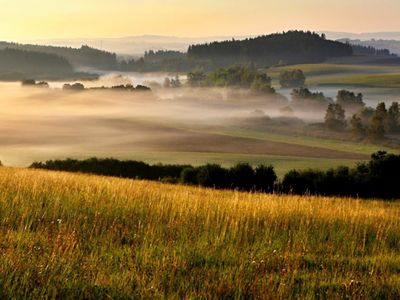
[345, 75]
[79, 236]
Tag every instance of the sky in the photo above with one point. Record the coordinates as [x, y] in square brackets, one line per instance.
[29, 19]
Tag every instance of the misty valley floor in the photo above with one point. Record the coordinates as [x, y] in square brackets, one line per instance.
[47, 124]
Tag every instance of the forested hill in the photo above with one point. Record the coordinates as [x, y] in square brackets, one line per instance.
[29, 62]
[291, 47]
[78, 57]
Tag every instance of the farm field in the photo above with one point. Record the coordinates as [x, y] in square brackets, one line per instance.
[78, 236]
[325, 74]
[185, 144]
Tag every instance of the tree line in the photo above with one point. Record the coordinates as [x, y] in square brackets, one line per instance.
[349, 112]
[365, 122]
[377, 178]
[77, 87]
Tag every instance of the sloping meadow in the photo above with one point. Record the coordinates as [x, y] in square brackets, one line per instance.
[78, 236]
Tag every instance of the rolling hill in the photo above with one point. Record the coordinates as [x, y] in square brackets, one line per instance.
[292, 47]
[78, 236]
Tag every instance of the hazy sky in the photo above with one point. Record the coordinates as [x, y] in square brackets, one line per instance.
[29, 19]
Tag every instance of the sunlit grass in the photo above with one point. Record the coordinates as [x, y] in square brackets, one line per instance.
[64, 235]
[370, 80]
[376, 76]
[304, 140]
[330, 69]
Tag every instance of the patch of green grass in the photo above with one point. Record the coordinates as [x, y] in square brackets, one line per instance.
[303, 140]
[370, 80]
[331, 69]
[344, 75]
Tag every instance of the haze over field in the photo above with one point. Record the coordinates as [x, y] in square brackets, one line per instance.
[40, 123]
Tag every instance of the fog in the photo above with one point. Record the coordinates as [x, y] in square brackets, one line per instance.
[40, 124]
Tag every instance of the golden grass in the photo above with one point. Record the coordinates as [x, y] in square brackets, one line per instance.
[79, 236]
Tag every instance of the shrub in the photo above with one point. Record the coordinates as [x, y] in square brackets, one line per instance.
[265, 178]
[212, 175]
[189, 176]
[242, 177]
[292, 79]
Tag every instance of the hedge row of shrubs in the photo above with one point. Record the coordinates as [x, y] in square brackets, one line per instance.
[378, 178]
[241, 176]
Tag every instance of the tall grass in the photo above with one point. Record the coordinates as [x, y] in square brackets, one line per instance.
[78, 236]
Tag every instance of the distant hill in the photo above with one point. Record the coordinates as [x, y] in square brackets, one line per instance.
[135, 46]
[362, 36]
[392, 45]
[84, 56]
[293, 47]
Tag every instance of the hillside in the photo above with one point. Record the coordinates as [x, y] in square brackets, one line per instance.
[77, 236]
[79, 57]
[392, 45]
[19, 64]
[292, 47]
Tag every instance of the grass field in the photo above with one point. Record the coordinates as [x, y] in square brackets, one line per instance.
[304, 140]
[345, 75]
[375, 80]
[330, 69]
[76, 236]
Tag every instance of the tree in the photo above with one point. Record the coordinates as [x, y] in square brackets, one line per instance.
[393, 117]
[262, 83]
[357, 126]
[74, 87]
[26, 82]
[265, 178]
[189, 175]
[196, 78]
[292, 79]
[376, 129]
[303, 97]
[366, 115]
[349, 100]
[167, 83]
[212, 175]
[335, 118]
[242, 177]
[176, 82]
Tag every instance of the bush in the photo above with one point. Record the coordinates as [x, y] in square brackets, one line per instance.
[189, 176]
[212, 175]
[379, 178]
[242, 177]
[292, 79]
[265, 178]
